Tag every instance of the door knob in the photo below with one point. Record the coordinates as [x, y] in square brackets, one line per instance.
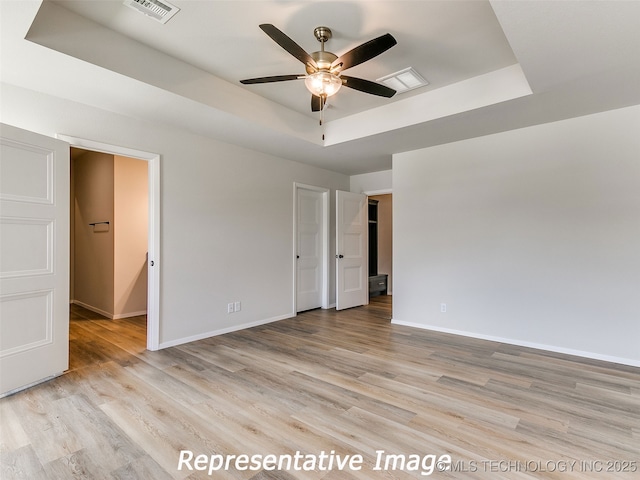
[339, 256]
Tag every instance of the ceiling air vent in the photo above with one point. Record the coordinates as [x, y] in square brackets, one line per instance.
[159, 11]
[404, 80]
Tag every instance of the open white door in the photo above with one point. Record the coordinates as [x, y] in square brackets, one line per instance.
[34, 258]
[351, 250]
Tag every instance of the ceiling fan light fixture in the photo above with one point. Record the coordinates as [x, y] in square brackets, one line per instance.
[323, 84]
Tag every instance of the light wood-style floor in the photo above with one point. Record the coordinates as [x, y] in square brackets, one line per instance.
[348, 382]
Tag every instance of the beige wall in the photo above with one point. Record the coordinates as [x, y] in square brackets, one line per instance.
[385, 237]
[93, 246]
[109, 262]
[130, 236]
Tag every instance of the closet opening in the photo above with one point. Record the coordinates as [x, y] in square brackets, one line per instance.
[380, 245]
[109, 258]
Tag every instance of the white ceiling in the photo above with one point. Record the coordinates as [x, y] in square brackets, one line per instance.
[492, 66]
[445, 41]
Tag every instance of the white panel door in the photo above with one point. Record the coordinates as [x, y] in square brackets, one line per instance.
[34, 258]
[352, 230]
[309, 274]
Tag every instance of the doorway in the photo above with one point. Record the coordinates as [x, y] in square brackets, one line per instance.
[380, 244]
[109, 233]
[152, 228]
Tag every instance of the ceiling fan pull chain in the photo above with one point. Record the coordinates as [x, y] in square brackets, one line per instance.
[323, 103]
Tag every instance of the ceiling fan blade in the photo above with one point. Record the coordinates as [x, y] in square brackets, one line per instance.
[367, 86]
[316, 103]
[364, 52]
[289, 45]
[275, 78]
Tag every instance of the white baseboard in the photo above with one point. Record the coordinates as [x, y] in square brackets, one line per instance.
[110, 316]
[129, 315]
[93, 309]
[222, 331]
[538, 346]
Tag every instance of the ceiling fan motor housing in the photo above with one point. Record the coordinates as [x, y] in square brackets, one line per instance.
[323, 60]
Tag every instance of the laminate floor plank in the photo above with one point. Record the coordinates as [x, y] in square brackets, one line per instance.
[346, 382]
[13, 435]
[218, 355]
[21, 463]
[143, 468]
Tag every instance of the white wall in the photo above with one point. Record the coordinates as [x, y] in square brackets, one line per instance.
[530, 236]
[226, 214]
[372, 183]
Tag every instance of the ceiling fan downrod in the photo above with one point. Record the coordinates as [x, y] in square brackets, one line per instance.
[322, 34]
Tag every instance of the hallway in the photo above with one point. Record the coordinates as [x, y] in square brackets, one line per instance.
[94, 339]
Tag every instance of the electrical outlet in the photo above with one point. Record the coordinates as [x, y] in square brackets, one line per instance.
[229, 307]
[443, 308]
[237, 307]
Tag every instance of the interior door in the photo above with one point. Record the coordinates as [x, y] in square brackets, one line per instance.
[352, 283]
[309, 274]
[34, 258]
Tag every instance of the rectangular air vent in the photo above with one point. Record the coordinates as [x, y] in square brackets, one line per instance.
[404, 80]
[159, 11]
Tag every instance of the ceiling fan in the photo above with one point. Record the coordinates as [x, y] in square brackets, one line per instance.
[324, 69]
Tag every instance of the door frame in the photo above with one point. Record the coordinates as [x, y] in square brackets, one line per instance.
[385, 191]
[153, 281]
[325, 242]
